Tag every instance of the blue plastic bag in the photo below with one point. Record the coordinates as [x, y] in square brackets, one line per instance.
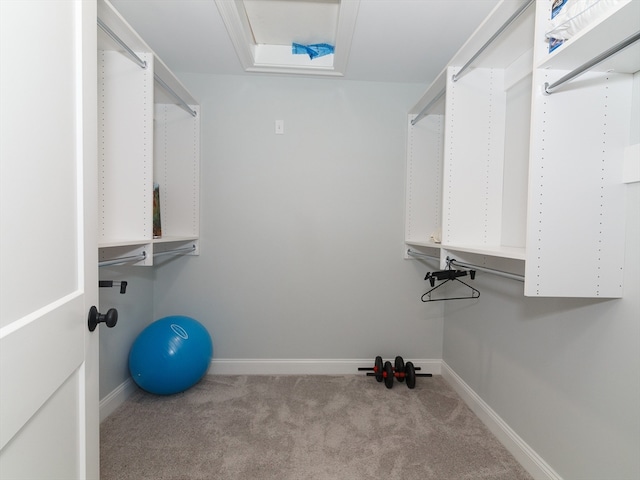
[315, 50]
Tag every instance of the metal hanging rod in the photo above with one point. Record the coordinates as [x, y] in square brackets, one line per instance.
[548, 89]
[182, 103]
[513, 276]
[453, 261]
[119, 41]
[143, 64]
[176, 251]
[123, 260]
[413, 253]
[143, 256]
[425, 110]
[504, 26]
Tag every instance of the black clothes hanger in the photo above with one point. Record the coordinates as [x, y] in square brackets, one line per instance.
[449, 275]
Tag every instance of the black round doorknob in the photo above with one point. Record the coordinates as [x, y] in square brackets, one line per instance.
[110, 318]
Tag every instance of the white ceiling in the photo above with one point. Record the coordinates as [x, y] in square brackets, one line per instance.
[281, 22]
[407, 41]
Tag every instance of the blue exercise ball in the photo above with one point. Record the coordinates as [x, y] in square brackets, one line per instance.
[170, 355]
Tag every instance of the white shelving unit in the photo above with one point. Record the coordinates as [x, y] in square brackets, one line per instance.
[424, 181]
[519, 180]
[149, 128]
[578, 138]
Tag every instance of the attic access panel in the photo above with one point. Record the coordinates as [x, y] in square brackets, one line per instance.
[262, 32]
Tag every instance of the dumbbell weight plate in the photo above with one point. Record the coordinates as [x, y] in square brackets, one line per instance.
[378, 368]
[410, 372]
[399, 366]
[388, 374]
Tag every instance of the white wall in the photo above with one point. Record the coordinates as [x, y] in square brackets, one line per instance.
[301, 245]
[135, 311]
[302, 233]
[563, 373]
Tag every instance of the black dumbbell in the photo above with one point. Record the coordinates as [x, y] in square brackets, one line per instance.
[407, 371]
[387, 372]
[399, 369]
[377, 369]
[381, 372]
[410, 374]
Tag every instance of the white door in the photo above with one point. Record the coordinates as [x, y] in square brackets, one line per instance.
[49, 419]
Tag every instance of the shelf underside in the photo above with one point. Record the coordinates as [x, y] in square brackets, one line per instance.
[515, 253]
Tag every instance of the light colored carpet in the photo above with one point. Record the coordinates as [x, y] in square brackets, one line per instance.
[302, 427]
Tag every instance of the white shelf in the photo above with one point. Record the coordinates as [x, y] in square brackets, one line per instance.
[595, 39]
[424, 177]
[582, 128]
[122, 243]
[502, 184]
[426, 243]
[174, 239]
[147, 136]
[516, 253]
[134, 243]
[458, 153]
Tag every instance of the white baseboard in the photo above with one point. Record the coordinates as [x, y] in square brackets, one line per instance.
[116, 398]
[528, 458]
[302, 366]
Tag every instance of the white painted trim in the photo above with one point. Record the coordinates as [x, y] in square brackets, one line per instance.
[116, 397]
[235, 19]
[238, 28]
[305, 366]
[528, 458]
[344, 35]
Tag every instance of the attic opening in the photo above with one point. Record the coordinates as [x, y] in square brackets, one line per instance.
[263, 31]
